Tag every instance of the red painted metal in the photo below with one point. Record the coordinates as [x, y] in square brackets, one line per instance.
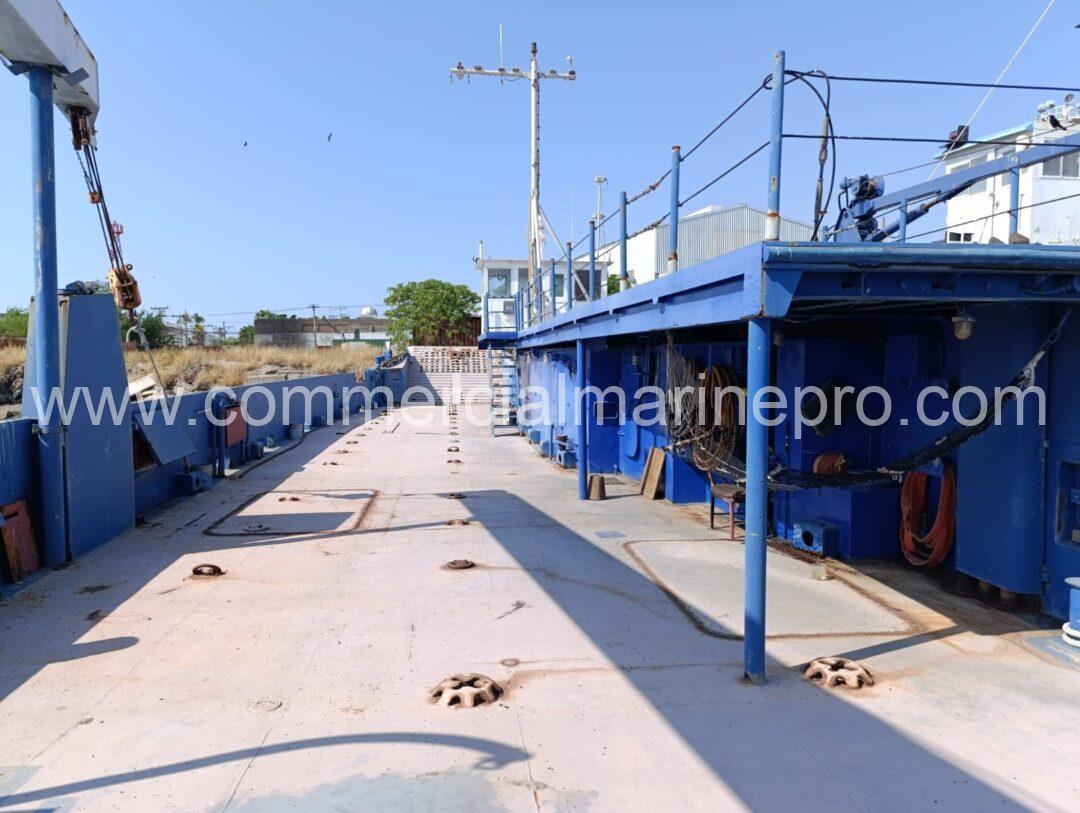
[19, 543]
[236, 431]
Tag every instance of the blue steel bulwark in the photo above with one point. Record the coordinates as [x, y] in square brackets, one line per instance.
[582, 436]
[47, 317]
[759, 349]
[673, 216]
[776, 144]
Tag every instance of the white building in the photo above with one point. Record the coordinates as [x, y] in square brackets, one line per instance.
[703, 235]
[981, 213]
[501, 280]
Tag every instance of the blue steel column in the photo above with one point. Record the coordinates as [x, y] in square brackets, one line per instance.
[902, 232]
[581, 416]
[673, 217]
[569, 281]
[1014, 201]
[624, 275]
[47, 318]
[517, 311]
[592, 261]
[776, 143]
[553, 306]
[759, 346]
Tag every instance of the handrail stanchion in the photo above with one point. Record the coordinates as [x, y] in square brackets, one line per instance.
[624, 275]
[569, 277]
[552, 282]
[592, 260]
[776, 143]
[902, 232]
[1014, 201]
[673, 226]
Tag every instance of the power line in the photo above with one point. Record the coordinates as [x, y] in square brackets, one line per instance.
[986, 96]
[914, 140]
[725, 119]
[725, 173]
[936, 82]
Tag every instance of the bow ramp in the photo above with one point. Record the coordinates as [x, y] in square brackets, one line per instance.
[447, 375]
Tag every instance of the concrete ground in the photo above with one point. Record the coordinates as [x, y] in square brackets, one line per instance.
[299, 678]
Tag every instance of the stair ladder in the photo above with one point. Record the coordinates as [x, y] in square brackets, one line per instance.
[503, 384]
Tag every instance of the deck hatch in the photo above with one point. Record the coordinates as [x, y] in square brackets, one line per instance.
[167, 443]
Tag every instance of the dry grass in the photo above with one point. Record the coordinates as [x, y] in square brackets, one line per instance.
[197, 368]
[202, 368]
[11, 357]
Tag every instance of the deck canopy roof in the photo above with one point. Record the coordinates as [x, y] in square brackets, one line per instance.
[777, 279]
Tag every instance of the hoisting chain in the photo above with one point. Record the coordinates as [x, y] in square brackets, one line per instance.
[125, 289]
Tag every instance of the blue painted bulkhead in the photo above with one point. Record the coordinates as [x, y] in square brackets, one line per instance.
[1018, 502]
[108, 481]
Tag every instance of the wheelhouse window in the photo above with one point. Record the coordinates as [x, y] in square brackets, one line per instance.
[499, 282]
[1062, 166]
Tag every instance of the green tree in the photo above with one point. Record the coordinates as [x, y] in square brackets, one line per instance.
[426, 308]
[152, 324]
[612, 284]
[267, 314]
[14, 322]
[246, 335]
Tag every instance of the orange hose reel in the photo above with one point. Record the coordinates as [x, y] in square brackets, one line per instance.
[929, 550]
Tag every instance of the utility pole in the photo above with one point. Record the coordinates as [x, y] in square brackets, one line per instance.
[314, 329]
[534, 76]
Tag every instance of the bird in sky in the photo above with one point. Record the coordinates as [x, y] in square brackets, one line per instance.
[245, 143]
[1057, 125]
[329, 136]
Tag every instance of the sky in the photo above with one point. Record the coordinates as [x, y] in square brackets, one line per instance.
[420, 168]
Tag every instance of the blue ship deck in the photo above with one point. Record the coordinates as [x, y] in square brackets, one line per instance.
[298, 679]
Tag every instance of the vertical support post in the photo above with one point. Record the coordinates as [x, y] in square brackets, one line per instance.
[517, 312]
[776, 143]
[902, 234]
[624, 275]
[581, 410]
[484, 315]
[528, 304]
[673, 217]
[569, 281]
[552, 280]
[1014, 201]
[47, 318]
[592, 261]
[759, 350]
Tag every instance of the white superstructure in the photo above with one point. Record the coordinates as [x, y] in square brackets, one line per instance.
[981, 213]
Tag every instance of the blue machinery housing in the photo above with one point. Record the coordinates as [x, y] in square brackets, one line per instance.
[864, 310]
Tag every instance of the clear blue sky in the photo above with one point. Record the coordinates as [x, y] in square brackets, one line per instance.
[419, 169]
